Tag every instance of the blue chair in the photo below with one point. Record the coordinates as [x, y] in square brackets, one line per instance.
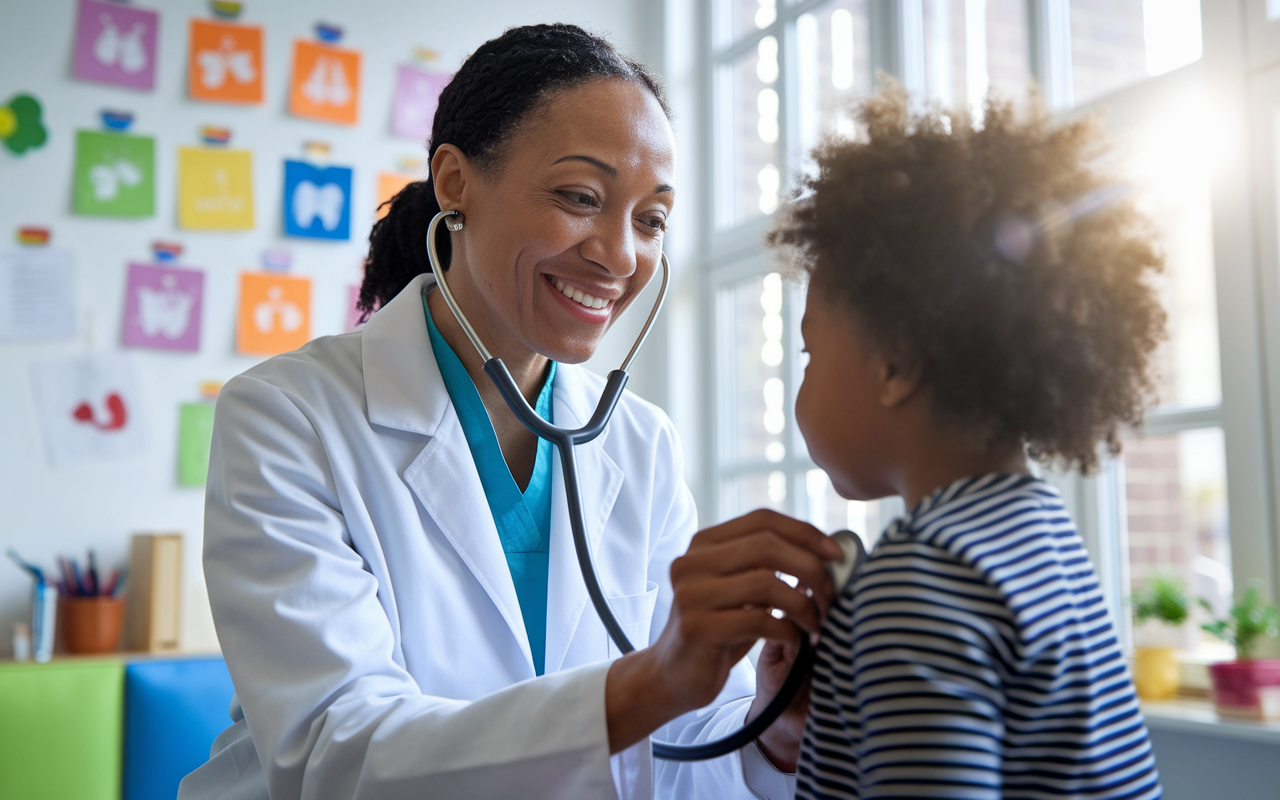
[174, 709]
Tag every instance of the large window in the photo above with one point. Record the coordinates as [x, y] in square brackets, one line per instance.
[783, 75]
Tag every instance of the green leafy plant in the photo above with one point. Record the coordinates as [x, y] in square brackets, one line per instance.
[1247, 623]
[1164, 598]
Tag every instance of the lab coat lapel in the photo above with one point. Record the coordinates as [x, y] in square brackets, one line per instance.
[404, 390]
[601, 479]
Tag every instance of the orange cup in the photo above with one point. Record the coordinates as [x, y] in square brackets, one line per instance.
[91, 624]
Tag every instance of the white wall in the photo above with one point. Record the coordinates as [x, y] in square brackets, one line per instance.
[46, 511]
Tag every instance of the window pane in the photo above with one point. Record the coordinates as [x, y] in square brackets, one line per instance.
[749, 123]
[752, 325]
[751, 491]
[735, 19]
[945, 51]
[1008, 48]
[1167, 160]
[1116, 43]
[1176, 512]
[833, 64]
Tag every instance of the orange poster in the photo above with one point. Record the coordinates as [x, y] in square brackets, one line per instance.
[325, 83]
[275, 313]
[225, 62]
[389, 185]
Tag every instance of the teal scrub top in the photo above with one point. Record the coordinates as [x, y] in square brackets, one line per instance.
[523, 519]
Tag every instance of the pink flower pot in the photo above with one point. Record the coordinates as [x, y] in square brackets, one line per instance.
[1248, 689]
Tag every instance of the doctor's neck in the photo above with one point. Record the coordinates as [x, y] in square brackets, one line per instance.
[527, 367]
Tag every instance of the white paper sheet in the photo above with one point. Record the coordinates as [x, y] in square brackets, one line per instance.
[37, 295]
[90, 407]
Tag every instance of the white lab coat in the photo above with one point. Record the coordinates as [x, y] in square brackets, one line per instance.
[365, 607]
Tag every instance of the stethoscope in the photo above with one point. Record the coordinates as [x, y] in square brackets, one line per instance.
[564, 440]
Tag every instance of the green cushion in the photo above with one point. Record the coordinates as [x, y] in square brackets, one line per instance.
[61, 730]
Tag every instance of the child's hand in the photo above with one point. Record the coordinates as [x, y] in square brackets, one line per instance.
[780, 743]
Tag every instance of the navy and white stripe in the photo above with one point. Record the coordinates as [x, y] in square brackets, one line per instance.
[974, 657]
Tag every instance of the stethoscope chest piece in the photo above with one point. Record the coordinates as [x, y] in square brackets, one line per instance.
[845, 571]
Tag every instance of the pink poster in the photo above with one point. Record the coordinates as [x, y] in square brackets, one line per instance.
[116, 44]
[414, 107]
[353, 313]
[162, 308]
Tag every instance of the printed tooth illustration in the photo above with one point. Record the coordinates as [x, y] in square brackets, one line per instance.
[325, 202]
[265, 314]
[111, 48]
[107, 178]
[166, 311]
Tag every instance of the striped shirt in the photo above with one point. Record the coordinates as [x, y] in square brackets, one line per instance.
[974, 657]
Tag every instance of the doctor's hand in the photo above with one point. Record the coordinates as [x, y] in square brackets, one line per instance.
[726, 590]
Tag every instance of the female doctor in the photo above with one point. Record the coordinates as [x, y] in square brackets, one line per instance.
[387, 548]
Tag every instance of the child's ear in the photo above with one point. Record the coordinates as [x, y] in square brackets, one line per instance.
[899, 380]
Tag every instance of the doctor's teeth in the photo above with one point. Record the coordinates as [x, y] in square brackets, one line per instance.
[579, 296]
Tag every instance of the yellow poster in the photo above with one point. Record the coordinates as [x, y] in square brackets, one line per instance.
[215, 189]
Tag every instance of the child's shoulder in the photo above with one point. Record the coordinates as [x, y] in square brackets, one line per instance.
[991, 524]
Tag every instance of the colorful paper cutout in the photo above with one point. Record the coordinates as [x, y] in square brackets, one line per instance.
[225, 62]
[389, 185]
[215, 189]
[195, 437]
[37, 295]
[317, 201]
[116, 44]
[354, 314]
[275, 313]
[20, 125]
[162, 308]
[115, 175]
[90, 407]
[325, 84]
[416, 96]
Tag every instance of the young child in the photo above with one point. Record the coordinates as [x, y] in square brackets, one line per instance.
[978, 296]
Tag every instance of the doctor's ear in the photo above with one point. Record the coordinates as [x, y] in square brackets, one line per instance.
[451, 172]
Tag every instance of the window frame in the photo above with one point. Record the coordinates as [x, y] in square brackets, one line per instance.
[1250, 372]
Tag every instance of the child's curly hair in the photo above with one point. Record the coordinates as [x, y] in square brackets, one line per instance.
[996, 260]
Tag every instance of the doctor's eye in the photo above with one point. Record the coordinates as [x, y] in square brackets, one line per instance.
[657, 223]
[582, 199]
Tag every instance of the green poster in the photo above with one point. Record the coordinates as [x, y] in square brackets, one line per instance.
[195, 434]
[115, 175]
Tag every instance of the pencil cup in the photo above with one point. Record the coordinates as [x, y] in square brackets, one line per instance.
[91, 624]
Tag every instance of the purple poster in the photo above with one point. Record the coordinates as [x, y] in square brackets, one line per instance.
[414, 107]
[116, 44]
[162, 307]
[353, 314]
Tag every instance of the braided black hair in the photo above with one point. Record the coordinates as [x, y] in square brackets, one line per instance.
[496, 88]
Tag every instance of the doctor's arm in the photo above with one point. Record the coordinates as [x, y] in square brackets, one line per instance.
[332, 711]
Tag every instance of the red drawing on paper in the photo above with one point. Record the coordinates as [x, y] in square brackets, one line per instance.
[116, 414]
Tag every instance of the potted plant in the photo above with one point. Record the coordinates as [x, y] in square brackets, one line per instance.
[1162, 603]
[1247, 687]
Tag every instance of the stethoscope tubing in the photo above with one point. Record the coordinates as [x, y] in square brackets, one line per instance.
[565, 440]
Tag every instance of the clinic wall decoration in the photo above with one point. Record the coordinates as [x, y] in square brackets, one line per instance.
[162, 308]
[416, 95]
[325, 83]
[317, 201]
[114, 175]
[90, 406]
[116, 44]
[21, 128]
[225, 62]
[275, 313]
[215, 189]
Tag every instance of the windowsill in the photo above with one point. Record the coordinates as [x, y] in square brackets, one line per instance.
[1197, 716]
